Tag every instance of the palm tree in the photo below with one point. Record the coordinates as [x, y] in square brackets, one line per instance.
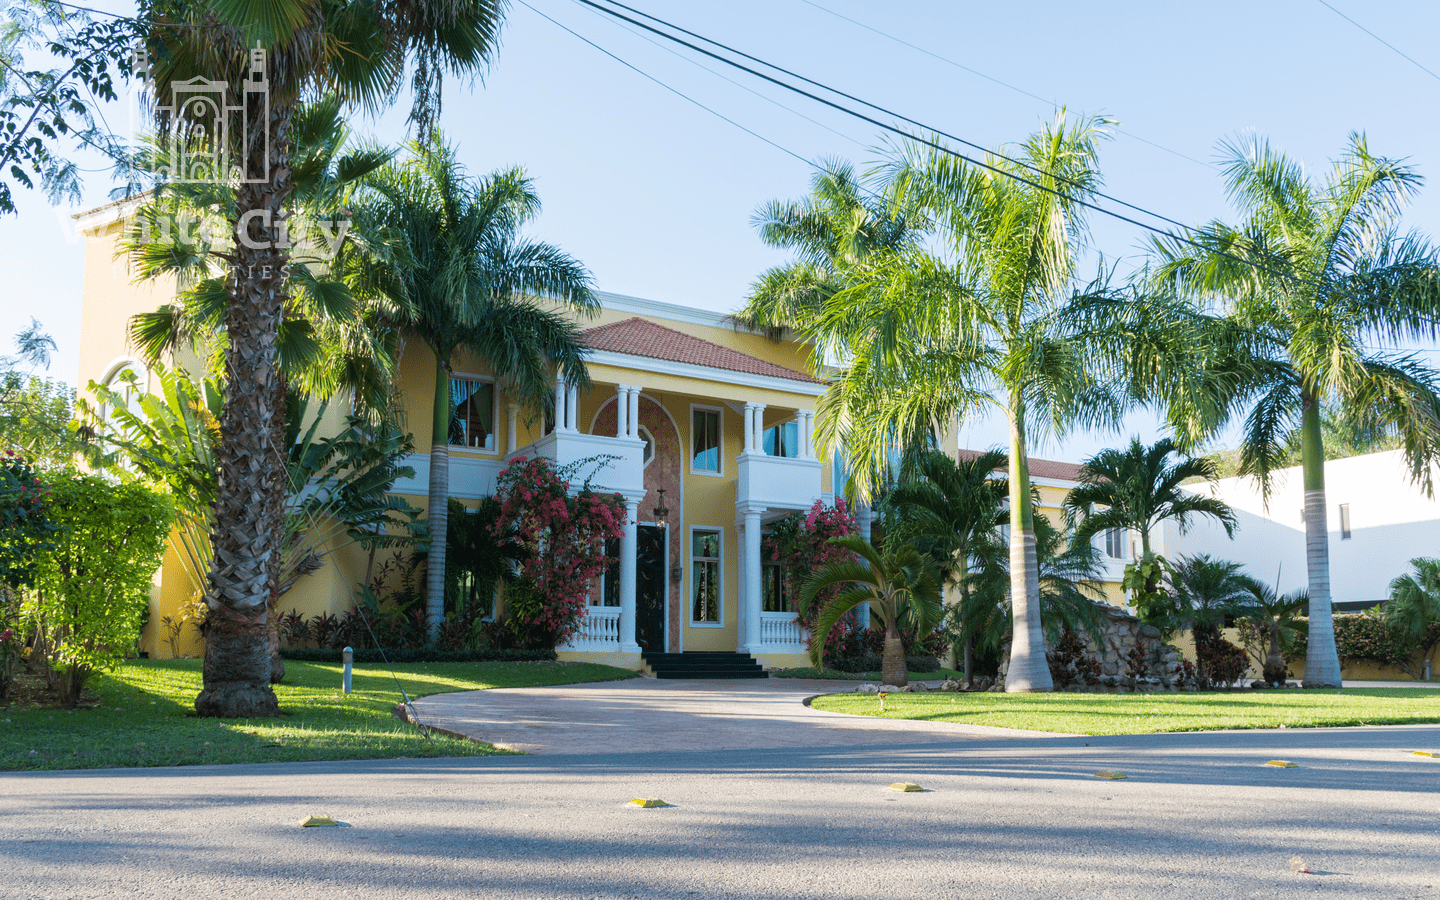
[1414, 604]
[1000, 322]
[899, 584]
[1313, 277]
[468, 281]
[1138, 488]
[952, 511]
[361, 52]
[1205, 591]
[838, 226]
[1276, 616]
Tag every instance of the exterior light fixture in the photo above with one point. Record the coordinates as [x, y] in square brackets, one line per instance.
[662, 511]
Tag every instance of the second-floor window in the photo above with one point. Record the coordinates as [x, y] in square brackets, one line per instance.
[705, 440]
[783, 440]
[1115, 543]
[472, 413]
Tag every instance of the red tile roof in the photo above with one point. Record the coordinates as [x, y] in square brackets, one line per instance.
[1040, 468]
[641, 337]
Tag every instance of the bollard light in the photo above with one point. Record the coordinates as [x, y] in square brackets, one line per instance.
[348, 657]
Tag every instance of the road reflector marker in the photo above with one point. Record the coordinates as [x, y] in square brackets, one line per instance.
[317, 822]
[1430, 753]
[648, 802]
[1111, 776]
[906, 787]
[1283, 764]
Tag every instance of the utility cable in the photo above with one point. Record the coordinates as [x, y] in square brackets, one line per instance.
[992, 79]
[1377, 37]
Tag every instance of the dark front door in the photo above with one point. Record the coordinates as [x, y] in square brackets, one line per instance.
[650, 588]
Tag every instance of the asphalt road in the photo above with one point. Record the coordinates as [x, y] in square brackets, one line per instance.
[1200, 815]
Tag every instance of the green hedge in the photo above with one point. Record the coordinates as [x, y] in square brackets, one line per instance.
[422, 655]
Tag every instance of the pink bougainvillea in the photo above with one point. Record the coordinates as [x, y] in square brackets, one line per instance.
[801, 544]
[566, 537]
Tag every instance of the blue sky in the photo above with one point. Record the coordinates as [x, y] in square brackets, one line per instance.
[655, 194]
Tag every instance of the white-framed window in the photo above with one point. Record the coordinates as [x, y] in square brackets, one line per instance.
[1344, 521]
[1117, 543]
[707, 440]
[775, 589]
[474, 409]
[707, 589]
[782, 440]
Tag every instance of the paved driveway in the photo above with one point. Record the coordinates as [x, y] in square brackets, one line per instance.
[649, 714]
[1006, 815]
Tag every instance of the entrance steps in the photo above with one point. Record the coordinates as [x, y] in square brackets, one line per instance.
[704, 664]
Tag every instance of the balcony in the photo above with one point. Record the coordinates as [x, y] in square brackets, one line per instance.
[616, 464]
[777, 482]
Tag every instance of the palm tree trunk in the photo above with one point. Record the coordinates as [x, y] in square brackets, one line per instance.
[1322, 663]
[439, 502]
[277, 544]
[892, 661]
[237, 644]
[1028, 670]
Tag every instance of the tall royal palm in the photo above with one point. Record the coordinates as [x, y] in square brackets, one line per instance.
[1138, 488]
[1315, 277]
[361, 52]
[467, 280]
[996, 318]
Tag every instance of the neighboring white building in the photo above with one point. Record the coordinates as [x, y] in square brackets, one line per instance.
[1379, 520]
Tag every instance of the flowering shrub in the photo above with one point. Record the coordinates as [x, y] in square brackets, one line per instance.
[565, 538]
[26, 528]
[801, 544]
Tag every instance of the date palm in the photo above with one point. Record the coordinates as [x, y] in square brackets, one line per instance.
[995, 318]
[901, 583]
[467, 280]
[360, 52]
[1414, 604]
[1316, 277]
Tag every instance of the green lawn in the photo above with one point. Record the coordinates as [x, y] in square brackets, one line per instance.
[837, 675]
[146, 716]
[1151, 713]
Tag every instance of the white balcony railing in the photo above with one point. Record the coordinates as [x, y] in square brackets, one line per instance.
[599, 630]
[777, 481]
[781, 633]
[623, 472]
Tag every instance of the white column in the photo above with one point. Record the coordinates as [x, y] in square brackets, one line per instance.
[751, 595]
[634, 417]
[572, 407]
[749, 428]
[622, 410]
[757, 438]
[559, 403]
[807, 434]
[628, 548]
[512, 412]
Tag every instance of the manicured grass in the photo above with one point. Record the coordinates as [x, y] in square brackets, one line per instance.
[145, 716]
[1151, 713]
[836, 674]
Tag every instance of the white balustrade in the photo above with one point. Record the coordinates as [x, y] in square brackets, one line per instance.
[781, 632]
[599, 630]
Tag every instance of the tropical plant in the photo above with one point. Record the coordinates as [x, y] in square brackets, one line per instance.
[900, 584]
[1310, 280]
[1206, 591]
[470, 282]
[800, 543]
[1414, 605]
[953, 511]
[92, 587]
[360, 52]
[1136, 489]
[1275, 620]
[996, 318]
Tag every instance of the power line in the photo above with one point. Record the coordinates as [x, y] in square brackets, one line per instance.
[1379, 38]
[663, 84]
[990, 78]
[926, 141]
